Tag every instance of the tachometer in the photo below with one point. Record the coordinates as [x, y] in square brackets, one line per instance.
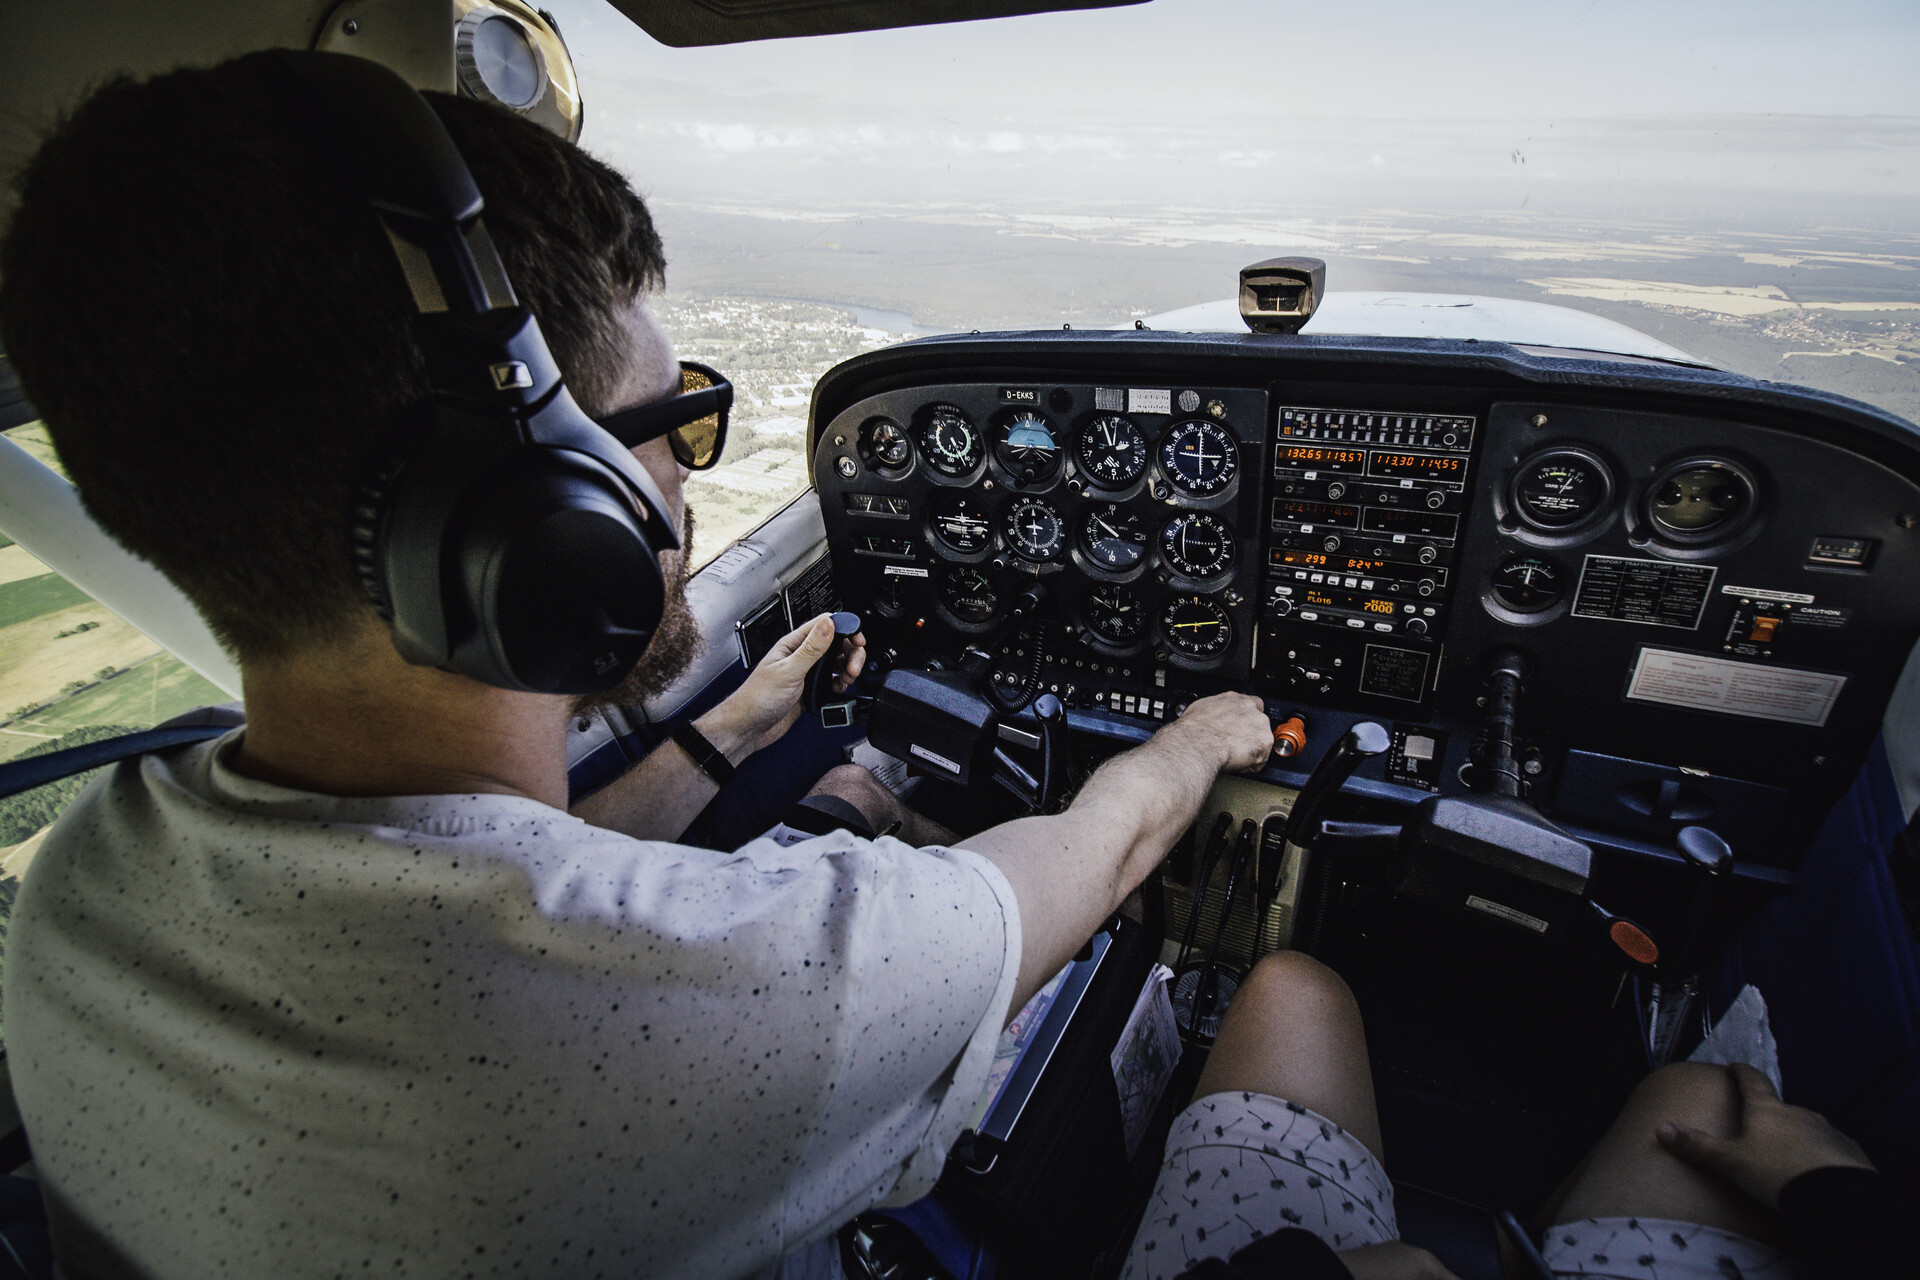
[1560, 489]
[949, 442]
[1197, 626]
[1026, 446]
[1199, 457]
[1113, 614]
[1114, 537]
[968, 594]
[962, 523]
[1035, 529]
[1197, 544]
[1112, 451]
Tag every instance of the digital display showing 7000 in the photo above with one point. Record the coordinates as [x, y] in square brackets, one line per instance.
[1418, 466]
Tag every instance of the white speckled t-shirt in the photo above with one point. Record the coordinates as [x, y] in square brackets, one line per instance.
[261, 1032]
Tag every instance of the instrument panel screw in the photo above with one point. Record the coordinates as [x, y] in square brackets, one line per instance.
[986, 484]
[839, 442]
[1907, 520]
[351, 27]
[847, 467]
[1538, 420]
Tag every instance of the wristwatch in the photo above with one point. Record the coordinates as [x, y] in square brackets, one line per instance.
[712, 761]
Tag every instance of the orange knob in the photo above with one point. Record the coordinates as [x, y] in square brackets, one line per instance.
[1290, 736]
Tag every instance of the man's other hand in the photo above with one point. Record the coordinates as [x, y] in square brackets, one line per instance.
[1775, 1143]
[1231, 726]
[765, 707]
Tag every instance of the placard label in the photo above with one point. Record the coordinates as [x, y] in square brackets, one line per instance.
[1704, 683]
[1656, 592]
[1140, 400]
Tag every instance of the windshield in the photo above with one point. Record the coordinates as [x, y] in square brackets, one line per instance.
[1736, 182]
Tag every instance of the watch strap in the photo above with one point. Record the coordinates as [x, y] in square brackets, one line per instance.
[712, 761]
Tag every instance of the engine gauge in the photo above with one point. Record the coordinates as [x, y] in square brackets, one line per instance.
[1112, 451]
[1197, 544]
[1199, 457]
[968, 595]
[1560, 489]
[1529, 584]
[1114, 537]
[961, 523]
[1197, 626]
[949, 442]
[1700, 501]
[890, 597]
[885, 443]
[1026, 446]
[1113, 614]
[1035, 529]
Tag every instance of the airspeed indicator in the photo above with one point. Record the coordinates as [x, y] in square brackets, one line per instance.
[950, 442]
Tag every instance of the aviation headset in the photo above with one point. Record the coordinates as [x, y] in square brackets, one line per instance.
[509, 538]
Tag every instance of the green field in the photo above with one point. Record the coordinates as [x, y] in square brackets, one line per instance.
[28, 598]
[142, 696]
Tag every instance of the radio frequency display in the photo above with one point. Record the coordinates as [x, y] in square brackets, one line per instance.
[1419, 466]
[1338, 514]
[1313, 457]
[1425, 524]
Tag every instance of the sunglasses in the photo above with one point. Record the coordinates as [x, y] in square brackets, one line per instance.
[694, 422]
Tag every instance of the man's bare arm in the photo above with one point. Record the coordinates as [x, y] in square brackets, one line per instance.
[1071, 870]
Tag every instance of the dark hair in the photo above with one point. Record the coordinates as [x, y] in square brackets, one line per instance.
[217, 335]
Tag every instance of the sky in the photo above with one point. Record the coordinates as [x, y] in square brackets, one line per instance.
[1796, 110]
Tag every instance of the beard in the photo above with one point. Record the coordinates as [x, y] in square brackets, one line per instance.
[676, 640]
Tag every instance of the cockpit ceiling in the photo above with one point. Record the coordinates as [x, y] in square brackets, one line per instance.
[684, 23]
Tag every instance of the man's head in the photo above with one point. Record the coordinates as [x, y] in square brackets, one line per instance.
[218, 337]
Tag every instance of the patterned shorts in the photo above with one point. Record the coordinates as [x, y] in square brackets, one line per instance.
[1655, 1249]
[1243, 1165]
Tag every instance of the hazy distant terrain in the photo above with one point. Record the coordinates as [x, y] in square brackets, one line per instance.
[1826, 307]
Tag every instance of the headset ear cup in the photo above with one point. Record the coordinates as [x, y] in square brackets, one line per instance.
[370, 508]
[562, 580]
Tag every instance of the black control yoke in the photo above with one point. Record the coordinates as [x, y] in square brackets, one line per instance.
[1360, 744]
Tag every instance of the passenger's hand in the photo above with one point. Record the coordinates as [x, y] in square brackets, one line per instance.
[1232, 726]
[1396, 1260]
[1775, 1143]
[765, 707]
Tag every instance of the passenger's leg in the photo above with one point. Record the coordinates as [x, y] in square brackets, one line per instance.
[1293, 1031]
[1630, 1175]
[879, 806]
[1282, 1131]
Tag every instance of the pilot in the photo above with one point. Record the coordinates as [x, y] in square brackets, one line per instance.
[349, 989]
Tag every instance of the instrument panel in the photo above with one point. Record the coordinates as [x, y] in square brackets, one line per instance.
[1130, 509]
[1711, 579]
